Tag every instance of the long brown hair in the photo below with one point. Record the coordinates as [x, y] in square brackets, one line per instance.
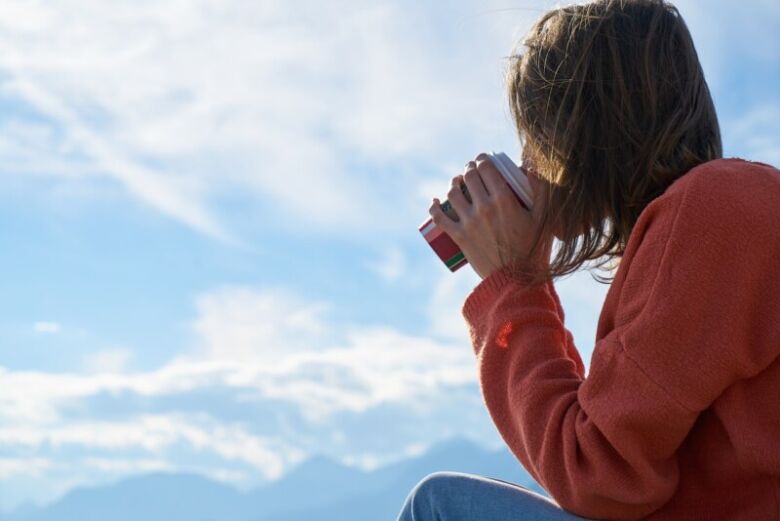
[610, 102]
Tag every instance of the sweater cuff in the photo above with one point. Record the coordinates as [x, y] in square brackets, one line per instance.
[486, 292]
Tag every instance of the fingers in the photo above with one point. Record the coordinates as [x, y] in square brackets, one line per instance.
[477, 190]
[457, 199]
[494, 181]
[485, 186]
[442, 220]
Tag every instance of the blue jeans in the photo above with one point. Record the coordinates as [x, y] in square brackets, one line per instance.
[457, 496]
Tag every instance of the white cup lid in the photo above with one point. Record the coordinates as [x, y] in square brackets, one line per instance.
[514, 176]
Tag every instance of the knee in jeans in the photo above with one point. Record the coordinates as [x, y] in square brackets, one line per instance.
[433, 483]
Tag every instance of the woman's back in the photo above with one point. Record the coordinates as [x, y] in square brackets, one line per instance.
[709, 326]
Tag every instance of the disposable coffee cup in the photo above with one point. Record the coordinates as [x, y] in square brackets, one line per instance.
[442, 244]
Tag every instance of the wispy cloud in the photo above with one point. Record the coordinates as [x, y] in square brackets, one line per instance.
[155, 433]
[185, 103]
[14, 467]
[390, 266]
[108, 361]
[46, 327]
[170, 194]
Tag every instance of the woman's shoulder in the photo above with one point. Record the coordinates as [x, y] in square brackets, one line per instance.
[730, 179]
[732, 190]
[719, 218]
[725, 205]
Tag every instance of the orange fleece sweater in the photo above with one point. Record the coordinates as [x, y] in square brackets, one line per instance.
[679, 415]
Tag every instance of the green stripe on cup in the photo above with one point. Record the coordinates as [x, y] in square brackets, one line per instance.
[455, 259]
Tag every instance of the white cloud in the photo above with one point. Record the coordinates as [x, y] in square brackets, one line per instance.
[371, 461]
[279, 345]
[391, 265]
[15, 467]
[271, 343]
[44, 327]
[125, 466]
[155, 433]
[237, 324]
[179, 102]
[109, 361]
[172, 195]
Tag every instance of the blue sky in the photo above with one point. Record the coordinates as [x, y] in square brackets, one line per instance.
[211, 258]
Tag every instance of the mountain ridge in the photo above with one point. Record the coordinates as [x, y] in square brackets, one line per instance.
[332, 490]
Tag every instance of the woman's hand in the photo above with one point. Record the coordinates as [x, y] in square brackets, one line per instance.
[494, 229]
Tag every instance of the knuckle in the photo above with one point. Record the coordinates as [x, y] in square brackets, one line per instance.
[485, 166]
[471, 175]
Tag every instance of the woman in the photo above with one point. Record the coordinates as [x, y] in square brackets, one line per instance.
[679, 416]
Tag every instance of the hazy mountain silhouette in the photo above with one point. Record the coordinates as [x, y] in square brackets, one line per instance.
[319, 488]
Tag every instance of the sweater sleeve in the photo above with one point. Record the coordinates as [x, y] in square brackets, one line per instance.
[605, 447]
